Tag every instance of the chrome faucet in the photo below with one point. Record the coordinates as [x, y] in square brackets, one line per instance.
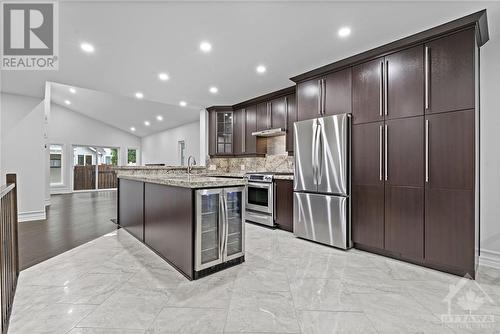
[190, 166]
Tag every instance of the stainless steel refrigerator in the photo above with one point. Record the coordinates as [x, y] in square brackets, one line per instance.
[321, 200]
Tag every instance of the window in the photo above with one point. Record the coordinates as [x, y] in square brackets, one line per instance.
[182, 152]
[132, 157]
[81, 160]
[88, 160]
[56, 164]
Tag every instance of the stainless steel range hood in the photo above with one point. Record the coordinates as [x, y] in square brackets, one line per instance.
[270, 133]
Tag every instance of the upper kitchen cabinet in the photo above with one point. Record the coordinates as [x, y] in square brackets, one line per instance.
[328, 95]
[308, 99]
[337, 93]
[263, 118]
[278, 113]
[450, 72]
[368, 91]
[291, 112]
[239, 131]
[220, 131]
[404, 88]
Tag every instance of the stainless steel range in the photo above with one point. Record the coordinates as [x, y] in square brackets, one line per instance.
[260, 197]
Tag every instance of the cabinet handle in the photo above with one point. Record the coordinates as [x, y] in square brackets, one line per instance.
[244, 131]
[323, 81]
[221, 223]
[320, 93]
[381, 130]
[427, 66]
[386, 86]
[286, 114]
[386, 153]
[268, 115]
[381, 88]
[427, 151]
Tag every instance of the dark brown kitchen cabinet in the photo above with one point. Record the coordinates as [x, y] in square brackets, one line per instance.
[368, 91]
[253, 145]
[239, 132]
[308, 105]
[449, 191]
[284, 204]
[450, 72]
[131, 207]
[212, 129]
[224, 132]
[337, 93]
[262, 116]
[404, 89]
[291, 104]
[404, 187]
[277, 113]
[368, 185]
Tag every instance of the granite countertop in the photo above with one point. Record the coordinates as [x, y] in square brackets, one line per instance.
[189, 181]
[157, 167]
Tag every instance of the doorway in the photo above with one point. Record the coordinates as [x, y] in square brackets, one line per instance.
[93, 167]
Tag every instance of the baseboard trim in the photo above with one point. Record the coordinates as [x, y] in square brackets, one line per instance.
[31, 215]
[489, 259]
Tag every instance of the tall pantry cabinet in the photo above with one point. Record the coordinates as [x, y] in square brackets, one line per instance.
[413, 144]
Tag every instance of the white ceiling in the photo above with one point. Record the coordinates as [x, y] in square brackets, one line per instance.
[122, 112]
[134, 41]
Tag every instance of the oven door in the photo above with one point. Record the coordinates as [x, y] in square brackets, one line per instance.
[260, 197]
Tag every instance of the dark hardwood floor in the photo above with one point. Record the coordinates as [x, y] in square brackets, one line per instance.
[72, 220]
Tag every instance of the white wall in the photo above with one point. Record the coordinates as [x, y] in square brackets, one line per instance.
[162, 147]
[68, 128]
[23, 151]
[490, 140]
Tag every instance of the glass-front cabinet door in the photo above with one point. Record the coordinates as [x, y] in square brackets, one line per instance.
[235, 225]
[209, 228]
[224, 122]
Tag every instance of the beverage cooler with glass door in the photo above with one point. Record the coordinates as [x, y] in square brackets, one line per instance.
[220, 229]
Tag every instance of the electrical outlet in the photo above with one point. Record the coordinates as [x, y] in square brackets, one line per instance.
[212, 167]
[242, 167]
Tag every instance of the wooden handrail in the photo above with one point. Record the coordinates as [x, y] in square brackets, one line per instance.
[9, 252]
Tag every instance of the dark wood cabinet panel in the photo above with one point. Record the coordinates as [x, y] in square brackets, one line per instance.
[292, 117]
[405, 83]
[405, 151]
[308, 99]
[169, 224]
[239, 133]
[368, 215]
[404, 221]
[284, 205]
[452, 72]
[250, 127]
[337, 90]
[451, 150]
[449, 228]
[263, 121]
[131, 208]
[367, 154]
[212, 130]
[367, 92]
[278, 113]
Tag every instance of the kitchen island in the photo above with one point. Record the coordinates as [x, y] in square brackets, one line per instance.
[194, 222]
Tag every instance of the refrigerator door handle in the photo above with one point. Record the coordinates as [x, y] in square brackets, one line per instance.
[319, 153]
[314, 152]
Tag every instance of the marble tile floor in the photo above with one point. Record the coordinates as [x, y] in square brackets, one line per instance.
[115, 285]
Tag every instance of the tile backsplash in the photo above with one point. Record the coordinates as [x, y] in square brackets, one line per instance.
[274, 163]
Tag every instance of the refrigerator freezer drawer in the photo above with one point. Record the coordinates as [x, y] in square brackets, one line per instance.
[322, 218]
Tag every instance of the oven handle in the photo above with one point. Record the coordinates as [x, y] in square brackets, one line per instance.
[260, 185]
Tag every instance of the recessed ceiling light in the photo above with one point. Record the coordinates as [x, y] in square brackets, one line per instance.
[163, 76]
[213, 90]
[205, 47]
[72, 90]
[261, 69]
[132, 129]
[68, 102]
[159, 118]
[183, 103]
[344, 31]
[139, 95]
[87, 47]
[146, 123]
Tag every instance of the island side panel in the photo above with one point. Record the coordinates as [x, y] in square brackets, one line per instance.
[131, 207]
[169, 224]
